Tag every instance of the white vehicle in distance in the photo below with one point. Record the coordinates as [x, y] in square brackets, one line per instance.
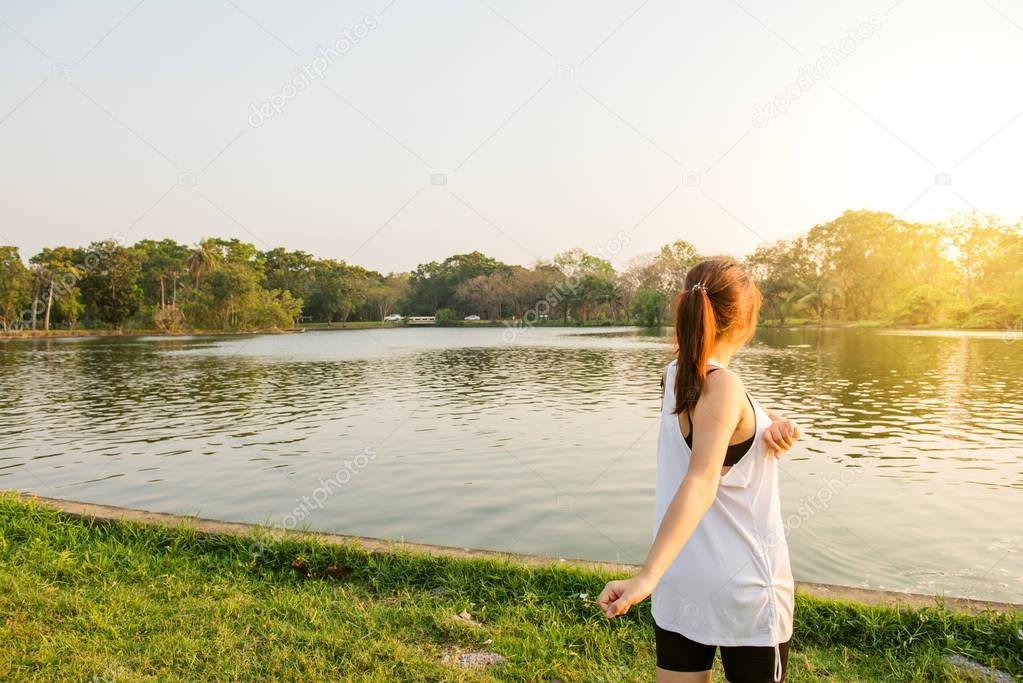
[472, 317]
[393, 318]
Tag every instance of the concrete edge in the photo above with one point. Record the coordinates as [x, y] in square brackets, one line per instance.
[107, 513]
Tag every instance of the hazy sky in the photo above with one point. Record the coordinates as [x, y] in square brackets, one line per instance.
[517, 128]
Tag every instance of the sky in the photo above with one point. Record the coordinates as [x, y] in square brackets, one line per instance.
[395, 132]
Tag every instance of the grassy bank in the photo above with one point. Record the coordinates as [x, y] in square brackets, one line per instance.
[120, 601]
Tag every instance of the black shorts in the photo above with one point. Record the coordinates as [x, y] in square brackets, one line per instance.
[742, 664]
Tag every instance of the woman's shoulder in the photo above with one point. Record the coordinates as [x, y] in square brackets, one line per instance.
[724, 381]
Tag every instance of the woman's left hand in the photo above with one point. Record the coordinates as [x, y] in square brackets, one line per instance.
[780, 437]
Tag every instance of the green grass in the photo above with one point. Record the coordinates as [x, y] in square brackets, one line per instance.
[83, 601]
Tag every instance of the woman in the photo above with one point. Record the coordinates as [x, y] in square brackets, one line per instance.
[719, 565]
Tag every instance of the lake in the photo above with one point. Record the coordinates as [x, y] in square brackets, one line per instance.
[909, 476]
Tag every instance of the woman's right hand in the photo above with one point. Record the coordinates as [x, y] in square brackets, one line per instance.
[618, 596]
[780, 436]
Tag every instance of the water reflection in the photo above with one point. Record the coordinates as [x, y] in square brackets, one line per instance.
[545, 445]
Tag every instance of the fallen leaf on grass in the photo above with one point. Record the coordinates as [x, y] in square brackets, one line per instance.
[337, 573]
[466, 618]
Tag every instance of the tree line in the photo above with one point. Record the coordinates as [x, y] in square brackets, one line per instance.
[863, 265]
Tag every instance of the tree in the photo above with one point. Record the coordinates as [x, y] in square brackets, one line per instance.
[863, 250]
[290, 271]
[110, 289]
[647, 307]
[773, 267]
[642, 272]
[58, 271]
[672, 263]
[163, 264]
[586, 276]
[274, 308]
[15, 282]
[921, 306]
[988, 256]
[434, 284]
[337, 289]
[448, 318]
[358, 281]
[539, 293]
[860, 265]
[37, 280]
[231, 287]
[204, 258]
[814, 285]
[234, 283]
[817, 293]
[596, 291]
[386, 293]
[230, 293]
[486, 294]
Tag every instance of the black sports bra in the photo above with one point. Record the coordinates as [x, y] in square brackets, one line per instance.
[735, 451]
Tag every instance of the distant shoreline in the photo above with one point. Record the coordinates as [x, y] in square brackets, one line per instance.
[377, 325]
[129, 334]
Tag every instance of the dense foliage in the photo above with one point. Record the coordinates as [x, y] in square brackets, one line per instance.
[862, 266]
[873, 266]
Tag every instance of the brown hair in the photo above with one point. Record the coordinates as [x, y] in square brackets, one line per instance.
[718, 298]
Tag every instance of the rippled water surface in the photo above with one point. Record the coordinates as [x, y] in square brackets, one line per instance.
[909, 477]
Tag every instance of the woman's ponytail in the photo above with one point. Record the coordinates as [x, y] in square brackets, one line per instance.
[695, 330]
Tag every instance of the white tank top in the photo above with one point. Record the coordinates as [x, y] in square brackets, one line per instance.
[732, 583]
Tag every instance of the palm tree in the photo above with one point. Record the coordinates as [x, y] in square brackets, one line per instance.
[818, 292]
[606, 292]
[204, 259]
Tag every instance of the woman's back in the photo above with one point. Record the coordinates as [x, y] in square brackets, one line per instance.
[731, 584]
